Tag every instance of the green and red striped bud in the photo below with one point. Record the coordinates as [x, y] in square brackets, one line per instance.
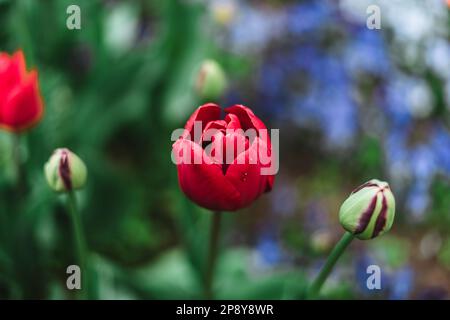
[65, 171]
[369, 210]
[211, 81]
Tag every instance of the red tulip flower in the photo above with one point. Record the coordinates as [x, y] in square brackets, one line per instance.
[226, 169]
[21, 104]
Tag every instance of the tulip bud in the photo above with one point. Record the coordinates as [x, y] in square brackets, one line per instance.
[211, 81]
[65, 171]
[369, 210]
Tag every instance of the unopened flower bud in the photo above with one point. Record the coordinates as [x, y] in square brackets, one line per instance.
[211, 81]
[369, 210]
[223, 12]
[65, 171]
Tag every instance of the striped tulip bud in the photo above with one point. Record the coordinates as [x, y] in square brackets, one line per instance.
[211, 81]
[369, 210]
[65, 171]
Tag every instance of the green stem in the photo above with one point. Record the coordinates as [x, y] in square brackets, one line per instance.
[17, 158]
[212, 254]
[328, 267]
[79, 242]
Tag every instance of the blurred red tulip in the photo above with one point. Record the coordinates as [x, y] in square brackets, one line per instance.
[228, 177]
[21, 104]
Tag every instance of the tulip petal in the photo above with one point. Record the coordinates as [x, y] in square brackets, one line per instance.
[12, 72]
[18, 64]
[205, 113]
[209, 131]
[233, 121]
[215, 149]
[205, 183]
[12, 68]
[270, 182]
[234, 144]
[245, 174]
[264, 150]
[246, 116]
[217, 124]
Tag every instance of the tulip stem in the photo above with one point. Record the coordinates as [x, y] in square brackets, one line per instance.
[79, 242]
[212, 254]
[17, 158]
[328, 267]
